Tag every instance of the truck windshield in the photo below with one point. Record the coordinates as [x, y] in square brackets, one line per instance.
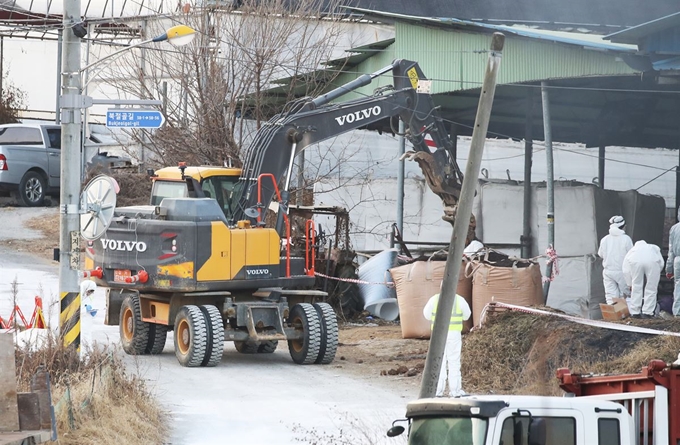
[448, 431]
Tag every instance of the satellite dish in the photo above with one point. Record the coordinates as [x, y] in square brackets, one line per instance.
[252, 212]
[98, 202]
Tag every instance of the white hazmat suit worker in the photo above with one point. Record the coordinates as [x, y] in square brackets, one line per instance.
[673, 264]
[454, 342]
[613, 248]
[643, 262]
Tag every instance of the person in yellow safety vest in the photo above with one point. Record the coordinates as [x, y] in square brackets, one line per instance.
[461, 312]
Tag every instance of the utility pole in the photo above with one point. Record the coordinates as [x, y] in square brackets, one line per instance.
[57, 108]
[2, 59]
[549, 183]
[71, 104]
[433, 363]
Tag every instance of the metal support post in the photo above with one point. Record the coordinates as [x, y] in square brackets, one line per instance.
[677, 188]
[600, 166]
[433, 363]
[400, 181]
[550, 215]
[299, 199]
[85, 76]
[57, 112]
[525, 240]
[2, 66]
[69, 249]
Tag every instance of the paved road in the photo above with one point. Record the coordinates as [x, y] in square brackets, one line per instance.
[247, 399]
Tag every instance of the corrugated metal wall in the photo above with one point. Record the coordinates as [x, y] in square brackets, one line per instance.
[455, 57]
[456, 60]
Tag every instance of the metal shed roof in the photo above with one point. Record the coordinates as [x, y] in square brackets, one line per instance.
[596, 98]
[634, 34]
[592, 41]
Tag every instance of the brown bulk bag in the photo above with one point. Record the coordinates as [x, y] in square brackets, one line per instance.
[516, 281]
[416, 283]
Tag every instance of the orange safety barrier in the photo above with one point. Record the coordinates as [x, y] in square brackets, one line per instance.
[37, 318]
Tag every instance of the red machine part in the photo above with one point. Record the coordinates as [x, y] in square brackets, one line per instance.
[97, 273]
[285, 215]
[310, 250]
[141, 277]
[657, 372]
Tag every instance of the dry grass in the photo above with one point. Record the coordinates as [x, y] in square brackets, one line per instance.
[518, 353]
[96, 401]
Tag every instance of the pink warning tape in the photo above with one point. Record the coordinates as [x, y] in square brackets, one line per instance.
[585, 321]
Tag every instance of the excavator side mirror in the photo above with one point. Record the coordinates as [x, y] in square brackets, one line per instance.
[395, 431]
[251, 212]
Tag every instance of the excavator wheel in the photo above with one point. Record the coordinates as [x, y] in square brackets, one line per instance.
[215, 339]
[136, 336]
[305, 319]
[247, 347]
[329, 333]
[267, 346]
[191, 336]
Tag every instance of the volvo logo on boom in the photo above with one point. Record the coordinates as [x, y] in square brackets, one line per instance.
[123, 246]
[359, 115]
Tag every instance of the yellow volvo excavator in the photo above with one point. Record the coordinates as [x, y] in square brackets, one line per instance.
[198, 260]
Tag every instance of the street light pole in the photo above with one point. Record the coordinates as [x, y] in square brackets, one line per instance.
[69, 236]
[72, 103]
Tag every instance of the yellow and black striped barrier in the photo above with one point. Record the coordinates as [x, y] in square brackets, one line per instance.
[69, 319]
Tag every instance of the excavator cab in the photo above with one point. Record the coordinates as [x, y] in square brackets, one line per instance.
[219, 183]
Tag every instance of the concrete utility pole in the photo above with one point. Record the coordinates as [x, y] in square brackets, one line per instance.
[433, 363]
[69, 236]
[549, 182]
[525, 239]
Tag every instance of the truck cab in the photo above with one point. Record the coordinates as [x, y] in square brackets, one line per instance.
[516, 420]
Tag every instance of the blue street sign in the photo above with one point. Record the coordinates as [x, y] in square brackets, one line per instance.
[134, 118]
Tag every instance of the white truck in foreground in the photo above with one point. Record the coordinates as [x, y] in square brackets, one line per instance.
[631, 409]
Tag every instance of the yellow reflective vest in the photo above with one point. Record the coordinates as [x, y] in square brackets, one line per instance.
[456, 322]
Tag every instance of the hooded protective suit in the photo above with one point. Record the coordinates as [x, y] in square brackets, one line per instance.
[613, 248]
[673, 263]
[643, 261]
[85, 287]
[454, 342]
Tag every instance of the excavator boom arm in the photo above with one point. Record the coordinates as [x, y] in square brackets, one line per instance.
[307, 122]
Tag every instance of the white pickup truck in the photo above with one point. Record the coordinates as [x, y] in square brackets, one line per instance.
[30, 161]
[631, 409]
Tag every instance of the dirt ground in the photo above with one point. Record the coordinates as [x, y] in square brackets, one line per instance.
[365, 347]
[513, 353]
